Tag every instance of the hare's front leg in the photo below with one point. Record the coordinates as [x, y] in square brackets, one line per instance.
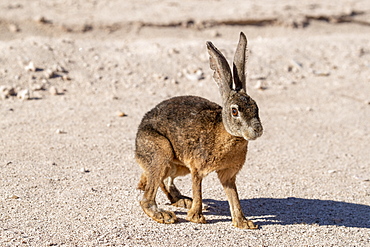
[195, 213]
[227, 178]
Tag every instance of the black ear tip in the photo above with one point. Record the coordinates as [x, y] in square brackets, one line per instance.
[242, 36]
[211, 47]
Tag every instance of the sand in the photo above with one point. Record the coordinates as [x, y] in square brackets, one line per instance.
[76, 77]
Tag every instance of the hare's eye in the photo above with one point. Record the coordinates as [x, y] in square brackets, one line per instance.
[234, 111]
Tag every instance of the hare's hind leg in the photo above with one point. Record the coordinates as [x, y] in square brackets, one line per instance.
[174, 195]
[154, 154]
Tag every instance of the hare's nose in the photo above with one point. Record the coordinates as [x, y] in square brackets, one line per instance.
[256, 125]
[258, 128]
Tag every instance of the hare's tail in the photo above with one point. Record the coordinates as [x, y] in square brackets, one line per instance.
[143, 182]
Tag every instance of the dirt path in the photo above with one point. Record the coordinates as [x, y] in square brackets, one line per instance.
[70, 69]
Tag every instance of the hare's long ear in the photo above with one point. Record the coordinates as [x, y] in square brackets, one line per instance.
[240, 59]
[222, 72]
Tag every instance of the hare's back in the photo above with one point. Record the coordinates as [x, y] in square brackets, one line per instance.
[183, 114]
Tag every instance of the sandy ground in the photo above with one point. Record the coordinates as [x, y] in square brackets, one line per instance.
[69, 70]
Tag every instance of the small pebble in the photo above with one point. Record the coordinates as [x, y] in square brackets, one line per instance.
[49, 74]
[361, 178]
[15, 6]
[309, 108]
[84, 170]
[159, 77]
[258, 77]
[40, 19]
[6, 92]
[173, 81]
[53, 90]
[59, 131]
[30, 67]
[24, 94]
[38, 87]
[58, 68]
[215, 33]
[173, 51]
[121, 114]
[321, 73]
[66, 78]
[260, 85]
[195, 75]
[13, 28]
[338, 221]
[361, 52]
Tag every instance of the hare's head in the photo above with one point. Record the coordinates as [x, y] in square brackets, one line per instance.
[240, 111]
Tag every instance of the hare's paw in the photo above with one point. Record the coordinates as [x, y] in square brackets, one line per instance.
[245, 224]
[184, 202]
[166, 217]
[196, 217]
[157, 214]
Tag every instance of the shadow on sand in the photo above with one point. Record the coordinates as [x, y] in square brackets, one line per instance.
[291, 210]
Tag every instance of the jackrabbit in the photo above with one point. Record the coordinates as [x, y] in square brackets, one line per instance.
[189, 134]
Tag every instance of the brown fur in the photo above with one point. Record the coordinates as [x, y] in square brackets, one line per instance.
[189, 134]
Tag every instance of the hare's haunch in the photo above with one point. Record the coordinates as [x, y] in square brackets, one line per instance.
[189, 134]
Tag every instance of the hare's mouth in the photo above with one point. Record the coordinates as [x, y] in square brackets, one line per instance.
[251, 138]
[251, 134]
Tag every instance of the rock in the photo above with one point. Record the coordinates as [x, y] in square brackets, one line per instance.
[15, 6]
[6, 92]
[361, 52]
[38, 87]
[121, 114]
[258, 77]
[194, 75]
[260, 85]
[30, 67]
[84, 170]
[58, 68]
[308, 108]
[24, 94]
[173, 51]
[40, 19]
[66, 78]
[86, 28]
[13, 28]
[49, 74]
[53, 90]
[59, 131]
[160, 77]
[174, 81]
[215, 33]
[337, 220]
[321, 73]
